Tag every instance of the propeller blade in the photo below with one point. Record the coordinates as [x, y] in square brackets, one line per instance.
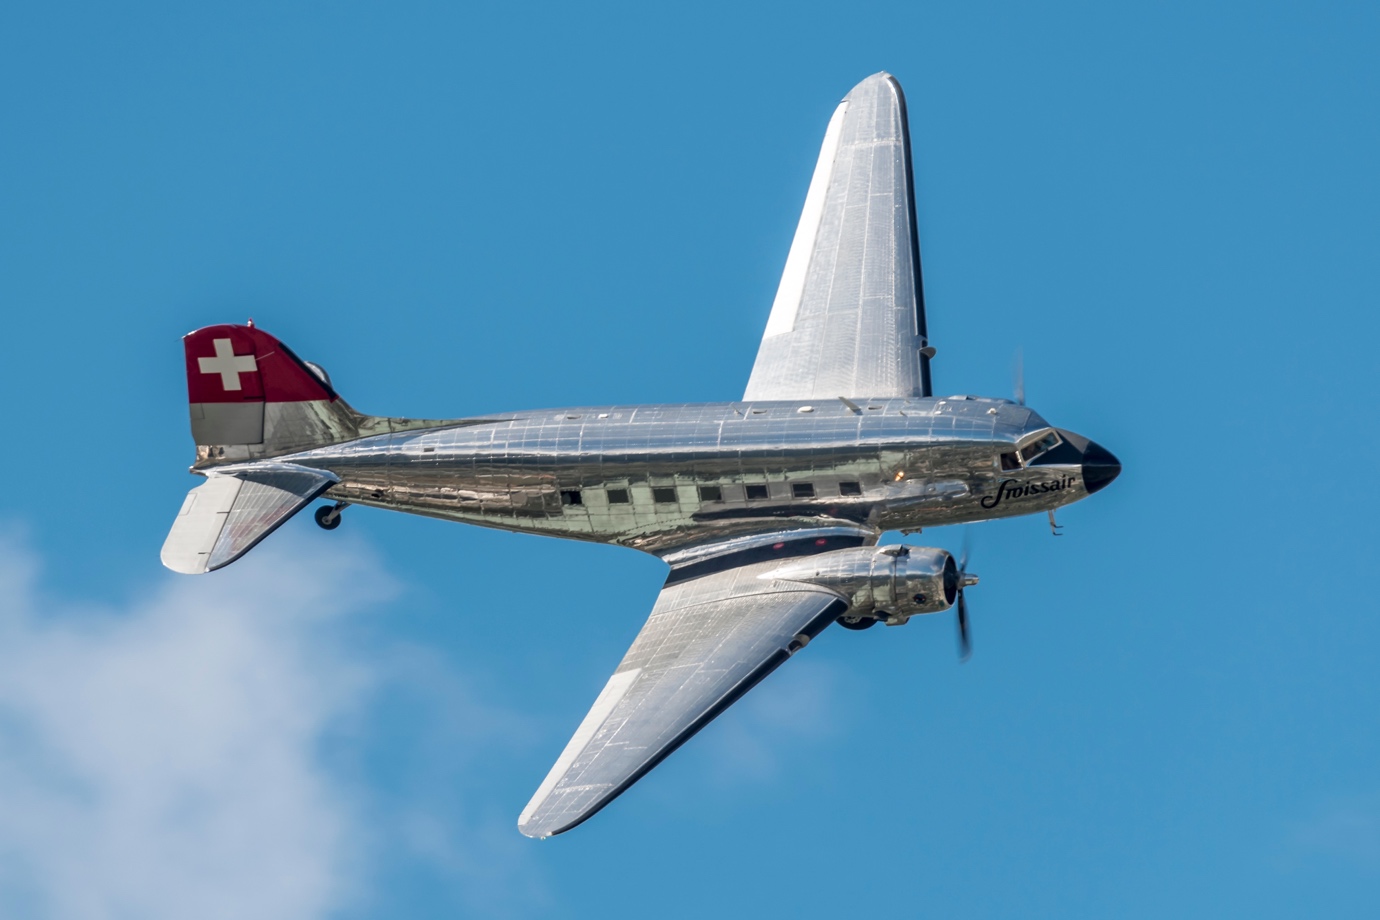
[1020, 377]
[965, 642]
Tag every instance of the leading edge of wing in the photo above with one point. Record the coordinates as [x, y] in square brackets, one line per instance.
[708, 641]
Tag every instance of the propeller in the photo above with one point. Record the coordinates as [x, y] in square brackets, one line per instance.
[1019, 374]
[965, 640]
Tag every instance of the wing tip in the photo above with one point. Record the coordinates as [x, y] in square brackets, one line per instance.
[539, 829]
[874, 82]
[538, 825]
[182, 564]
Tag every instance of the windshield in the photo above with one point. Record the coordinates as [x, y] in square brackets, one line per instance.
[1037, 447]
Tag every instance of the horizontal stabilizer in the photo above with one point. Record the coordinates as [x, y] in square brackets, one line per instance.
[235, 508]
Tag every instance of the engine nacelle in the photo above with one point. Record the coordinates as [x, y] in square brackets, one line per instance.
[890, 583]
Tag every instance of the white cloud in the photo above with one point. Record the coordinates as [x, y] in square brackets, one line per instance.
[1348, 829]
[207, 750]
[163, 759]
[443, 821]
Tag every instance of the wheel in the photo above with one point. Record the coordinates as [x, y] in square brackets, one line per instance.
[851, 622]
[327, 517]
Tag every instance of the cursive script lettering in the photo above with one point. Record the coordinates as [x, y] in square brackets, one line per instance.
[1010, 488]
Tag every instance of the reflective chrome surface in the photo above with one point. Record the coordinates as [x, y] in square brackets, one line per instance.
[235, 508]
[767, 510]
[707, 642]
[661, 478]
[849, 314]
[890, 583]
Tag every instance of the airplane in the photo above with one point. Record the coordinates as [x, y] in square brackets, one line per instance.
[768, 510]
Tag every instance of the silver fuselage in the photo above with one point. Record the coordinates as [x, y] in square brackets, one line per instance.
[662, 477]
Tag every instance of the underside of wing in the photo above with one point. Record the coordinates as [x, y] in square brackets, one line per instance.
[708, 641]
[849, 315]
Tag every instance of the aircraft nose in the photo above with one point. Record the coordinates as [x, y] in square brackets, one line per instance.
[1099, 467]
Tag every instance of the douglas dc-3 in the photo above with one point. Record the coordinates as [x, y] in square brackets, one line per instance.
[768, 510]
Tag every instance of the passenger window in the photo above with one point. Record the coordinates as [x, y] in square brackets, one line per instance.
[803, 489]
[664, 495]
[756, 493]
[850, 488]
[571, 497]
[618, 497]
[1009, 462]
[711, 494]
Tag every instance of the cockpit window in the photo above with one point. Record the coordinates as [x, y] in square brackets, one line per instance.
[1010, 462]
[1035, 448]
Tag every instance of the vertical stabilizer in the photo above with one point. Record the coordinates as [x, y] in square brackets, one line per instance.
[251, 398]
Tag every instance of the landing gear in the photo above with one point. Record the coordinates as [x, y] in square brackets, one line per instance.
[852, 622]
[329, 518]
[1053, 527]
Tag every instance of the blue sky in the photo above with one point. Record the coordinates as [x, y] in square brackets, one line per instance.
[1172, 211]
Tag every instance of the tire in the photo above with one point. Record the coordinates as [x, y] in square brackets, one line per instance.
[851, 622]
[324, 520]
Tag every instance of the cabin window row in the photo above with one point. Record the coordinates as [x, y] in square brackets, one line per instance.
[666, 495]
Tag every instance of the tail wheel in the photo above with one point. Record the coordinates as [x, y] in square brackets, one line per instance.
[328, 517]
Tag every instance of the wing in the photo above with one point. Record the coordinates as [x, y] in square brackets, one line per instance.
[714, 633]
[849, 315]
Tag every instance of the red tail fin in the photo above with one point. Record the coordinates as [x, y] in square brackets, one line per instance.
[238, 364]
[252, 398]
[248, 389]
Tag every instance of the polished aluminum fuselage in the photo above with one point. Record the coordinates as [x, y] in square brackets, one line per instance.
[663, 477]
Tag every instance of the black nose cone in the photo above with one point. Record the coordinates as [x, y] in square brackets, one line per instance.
[1099, 467]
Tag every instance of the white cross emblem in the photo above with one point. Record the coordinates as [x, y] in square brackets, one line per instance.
[228, 364]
